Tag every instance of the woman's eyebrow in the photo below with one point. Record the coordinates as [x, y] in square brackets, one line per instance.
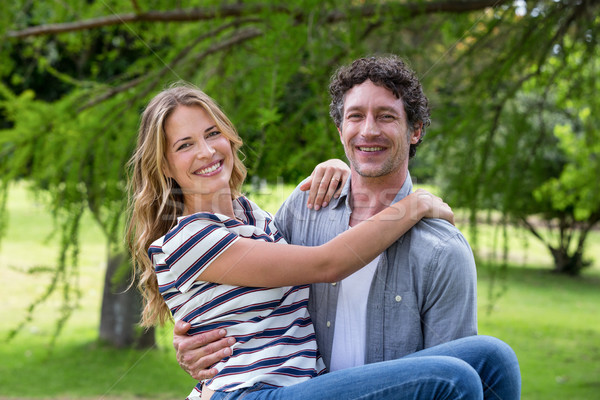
[182, 139]
[189, 137]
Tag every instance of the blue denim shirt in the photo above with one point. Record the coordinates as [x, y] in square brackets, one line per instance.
[424, 289]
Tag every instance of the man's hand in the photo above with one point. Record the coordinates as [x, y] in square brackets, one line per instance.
[196, 354]
[326, 182]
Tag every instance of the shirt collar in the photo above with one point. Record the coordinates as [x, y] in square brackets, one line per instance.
[344, 198]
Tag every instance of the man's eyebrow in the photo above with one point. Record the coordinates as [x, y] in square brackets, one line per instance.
[387, 108]
[352, 108]
[379, 109]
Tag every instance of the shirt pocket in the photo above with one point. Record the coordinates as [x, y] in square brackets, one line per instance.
[402, 332]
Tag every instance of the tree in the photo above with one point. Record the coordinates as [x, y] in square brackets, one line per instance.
[92, 66]
[527, 127]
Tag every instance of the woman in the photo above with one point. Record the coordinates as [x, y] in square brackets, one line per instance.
[215, 262]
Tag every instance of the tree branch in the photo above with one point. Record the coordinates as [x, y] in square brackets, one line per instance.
[534, 231]
[168, 67]
[118, 109]
[239, 37]
[180, 15]
[238, 10]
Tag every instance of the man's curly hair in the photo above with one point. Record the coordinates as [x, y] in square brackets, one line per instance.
[390, 72]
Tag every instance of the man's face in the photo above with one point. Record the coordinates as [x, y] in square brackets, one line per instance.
[375, 132]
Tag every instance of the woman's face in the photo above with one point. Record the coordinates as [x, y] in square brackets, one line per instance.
[199, 157]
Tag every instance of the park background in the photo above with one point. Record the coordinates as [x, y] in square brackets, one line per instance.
[514, 147]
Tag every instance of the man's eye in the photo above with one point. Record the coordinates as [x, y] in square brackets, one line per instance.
[387, 117]
[354, 116]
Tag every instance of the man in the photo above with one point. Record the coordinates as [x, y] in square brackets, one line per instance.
[421, 291]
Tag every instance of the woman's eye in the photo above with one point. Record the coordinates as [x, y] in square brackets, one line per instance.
[212, 133]
[183, 146]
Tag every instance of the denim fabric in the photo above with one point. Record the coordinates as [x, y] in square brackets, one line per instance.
[475, 367]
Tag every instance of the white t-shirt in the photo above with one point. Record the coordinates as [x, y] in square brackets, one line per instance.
[350, 334]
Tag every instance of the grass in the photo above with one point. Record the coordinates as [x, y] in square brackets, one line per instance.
[550, 321]
[552, 324]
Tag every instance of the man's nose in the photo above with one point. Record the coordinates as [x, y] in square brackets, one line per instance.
[370, 126]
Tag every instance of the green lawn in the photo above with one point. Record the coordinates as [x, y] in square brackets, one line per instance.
[551, 321]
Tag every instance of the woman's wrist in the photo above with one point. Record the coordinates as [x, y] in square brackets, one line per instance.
[421, 207]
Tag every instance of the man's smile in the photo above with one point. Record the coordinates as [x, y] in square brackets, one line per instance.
[370, 148]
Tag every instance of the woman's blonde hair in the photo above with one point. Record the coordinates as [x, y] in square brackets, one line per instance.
[155, 200]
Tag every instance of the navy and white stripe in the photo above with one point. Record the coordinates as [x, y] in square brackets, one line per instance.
[275, 339]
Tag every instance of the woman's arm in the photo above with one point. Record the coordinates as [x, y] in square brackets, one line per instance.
[250, 262]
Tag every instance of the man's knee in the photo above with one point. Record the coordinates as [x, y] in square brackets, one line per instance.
[460, 379]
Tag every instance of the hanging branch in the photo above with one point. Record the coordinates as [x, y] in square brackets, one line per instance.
[136, 6]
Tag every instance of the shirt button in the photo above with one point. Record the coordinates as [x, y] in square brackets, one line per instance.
[334, 283]
[328, 324]
[398, 298]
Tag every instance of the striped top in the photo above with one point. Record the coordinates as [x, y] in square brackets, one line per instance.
[275, 339]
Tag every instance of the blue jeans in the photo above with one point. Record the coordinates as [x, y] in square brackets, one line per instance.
[474, 367]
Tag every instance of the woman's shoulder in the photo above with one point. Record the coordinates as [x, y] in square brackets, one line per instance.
[201, 220]
[249, 212]
[202, 229]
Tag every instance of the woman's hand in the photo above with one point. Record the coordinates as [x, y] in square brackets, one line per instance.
[326, 182]
[431, 206]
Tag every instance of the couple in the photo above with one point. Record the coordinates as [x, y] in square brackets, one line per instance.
[218, 262]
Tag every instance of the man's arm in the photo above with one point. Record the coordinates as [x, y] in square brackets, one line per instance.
[450, 308]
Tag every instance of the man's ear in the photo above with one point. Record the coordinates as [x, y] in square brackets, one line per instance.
[416, 133]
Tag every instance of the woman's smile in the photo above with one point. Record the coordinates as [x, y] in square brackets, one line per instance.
[211, 170]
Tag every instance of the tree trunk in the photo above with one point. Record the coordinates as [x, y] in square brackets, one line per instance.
[121, 308]
[565, 263]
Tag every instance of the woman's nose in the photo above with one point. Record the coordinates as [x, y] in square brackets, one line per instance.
[205, 150]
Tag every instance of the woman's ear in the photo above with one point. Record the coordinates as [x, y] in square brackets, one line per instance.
[166, 171]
